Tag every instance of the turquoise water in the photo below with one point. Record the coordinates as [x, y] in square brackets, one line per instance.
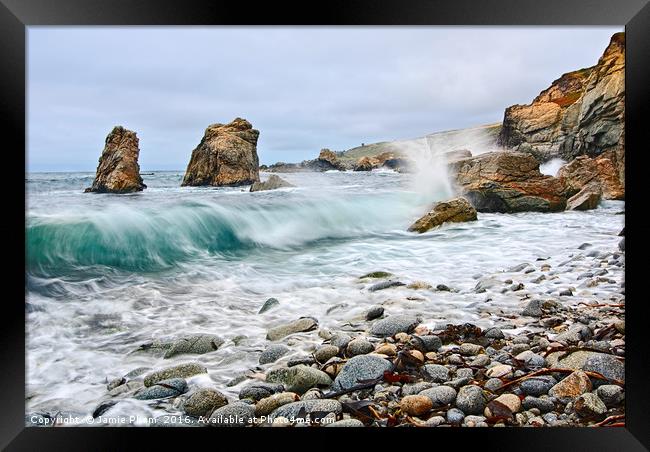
[106, 273]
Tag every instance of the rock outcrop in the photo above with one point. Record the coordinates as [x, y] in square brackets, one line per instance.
[604, 171]
[582, 112]
[272, 183]
[226, 156]
[586, 199]
[455, 210]
[326, 161]
[507, 181]
[118, 170]
[368, 163]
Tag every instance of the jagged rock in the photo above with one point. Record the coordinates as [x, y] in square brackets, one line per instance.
[586, 199]
[507, 181]
[326, 161]
[582, 112]
[456, 210]
[272, 183]
[602, 173]
[118, 170]
[365, 164]
[226, 156]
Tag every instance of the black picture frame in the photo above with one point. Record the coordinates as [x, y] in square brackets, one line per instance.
[16, 15]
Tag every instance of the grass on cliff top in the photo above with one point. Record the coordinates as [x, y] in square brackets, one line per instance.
[487, 136]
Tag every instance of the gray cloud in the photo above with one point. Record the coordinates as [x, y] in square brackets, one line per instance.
[304, 88]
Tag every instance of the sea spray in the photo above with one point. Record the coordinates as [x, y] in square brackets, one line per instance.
[552, 167]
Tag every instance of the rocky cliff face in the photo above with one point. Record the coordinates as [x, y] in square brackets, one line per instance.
[506, 181]
[582, 112]
[226, 156]
[118, 170]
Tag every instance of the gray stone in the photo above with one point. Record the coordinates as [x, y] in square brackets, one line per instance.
[455, 416]
[300, 378]
[305, 360]
[272, 183]
[532, 360]
[362, 367]
[127, 387]
[374, 312]
[436, 372]
[440, 395]
[340, 340]
[537, 386]
[180, 371]
[589, 405]
[325, 352]
[273, 352]
[292, 410]
[427, 343]
[542, 404]
[480, 361]
[468, 349]
[385, 285]
[268, 305]
[464, 372]
[518, 268]
[471, 400]
[236, 414]
[494, 333]
[359, 346]
[493, 384]
[603, 363]
[259, 390]
[346, 423]
[611, 395]
[533, 309]
[416, 388]
[394, 324]
[172, 387]
[197, 344]
[203, 402]
[301, 325]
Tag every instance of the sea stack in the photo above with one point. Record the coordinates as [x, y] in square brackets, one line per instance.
[118, 170]
[226, 156]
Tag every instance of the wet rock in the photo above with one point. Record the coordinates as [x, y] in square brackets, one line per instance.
[605, 364]
[362, 367]
[325, 352]
[226, 156]
[436, 373]
[531, 360]
[376, 275]
[440, 395]
[385, 285]
[293, 410]
[129, 386]
[196, 344]
[386, 349]
[480, 361]
[533, 309]
[471, 400]
[236, 414]
[301, 325]
[271, 403]
[340, 340]
[499, 371]
[494, 333]
[416, 388]
[493, 384]
[509, 400]
[346, 422]
[359, 346]
[272, 353]
[611, 395]
[455, 416]
[272, 183]
[172, 387]
[443, 288]
[203, 402]
[374, 313]
[586, 199]
[392, 325]
[180, 371]
[299, 379]
[456, 210]
[544, 405]
[118, 170]
[468, 349]
[258, 390]
[590, 406]
[537, 386]
[268, 305]
[416, 405]
[426, 343]
[572, 386]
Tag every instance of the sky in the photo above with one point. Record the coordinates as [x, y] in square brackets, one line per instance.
[303, 88]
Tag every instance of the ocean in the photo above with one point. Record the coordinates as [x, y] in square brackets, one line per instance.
[107, 273]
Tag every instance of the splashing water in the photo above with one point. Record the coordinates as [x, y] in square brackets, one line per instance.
[552, 167]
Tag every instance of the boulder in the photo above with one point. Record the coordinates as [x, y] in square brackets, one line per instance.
[507, 181]
[359, 368]
[456, 210]
[226, 156]
[602, 173]
[118, 170]
[175, 372]
[303, 324]
[196, 344]
[582, 112]
[586, 199]
[272, 183]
